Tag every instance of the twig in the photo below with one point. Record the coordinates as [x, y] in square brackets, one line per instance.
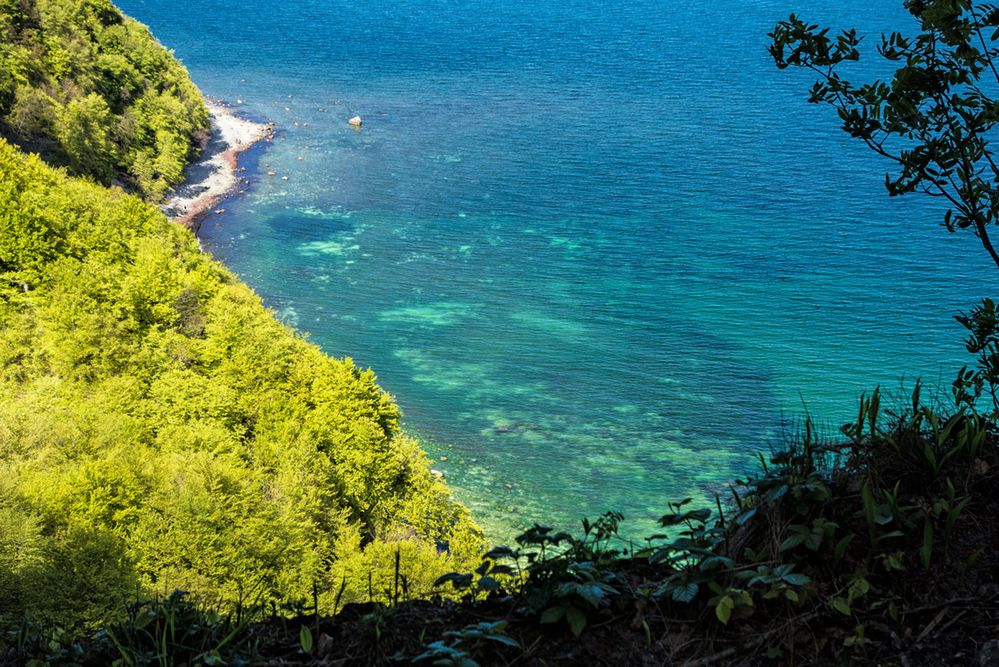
[723, 655]
[731, 651]
[946, 626]
[932, 624]
[528, 652]
[946, 603]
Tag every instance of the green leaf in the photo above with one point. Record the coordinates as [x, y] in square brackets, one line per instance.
[457, 580]
[796, 579]
[700, 515]
[714, 562]
[500, 552]
[926, 550]
[894, 561]
[723, 610]
[842, 546]
[593, 593]
[487, 583]
[503, 639]
[552, 614]
[793, 541]
[576, 619]
[859, 588]
[813, 541]
[867, 498]
[882, 514]
[685, 593]
[305, 639]
[840, 605]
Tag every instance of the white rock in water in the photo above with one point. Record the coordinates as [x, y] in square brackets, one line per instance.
[355, 121]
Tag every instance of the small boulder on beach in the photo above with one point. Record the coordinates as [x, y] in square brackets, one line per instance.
[355, 121]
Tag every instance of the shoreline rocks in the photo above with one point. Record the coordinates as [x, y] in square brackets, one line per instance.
[214, 175]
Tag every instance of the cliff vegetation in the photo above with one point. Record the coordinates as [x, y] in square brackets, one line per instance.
[87, 88]
[159, 429]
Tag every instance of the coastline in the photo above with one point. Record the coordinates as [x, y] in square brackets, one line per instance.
[215, 175]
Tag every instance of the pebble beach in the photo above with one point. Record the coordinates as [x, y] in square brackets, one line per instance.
[215, 175]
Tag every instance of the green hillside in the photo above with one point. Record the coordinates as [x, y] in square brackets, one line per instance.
[90, 89]
[159, 429]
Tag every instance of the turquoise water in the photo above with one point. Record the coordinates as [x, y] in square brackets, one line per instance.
[598, 252]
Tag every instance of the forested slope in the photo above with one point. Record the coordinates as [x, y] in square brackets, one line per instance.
[90, 89]
[159, 429]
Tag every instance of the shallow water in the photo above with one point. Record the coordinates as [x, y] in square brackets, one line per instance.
[598, 252]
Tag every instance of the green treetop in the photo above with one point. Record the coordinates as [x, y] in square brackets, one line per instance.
[90, 89]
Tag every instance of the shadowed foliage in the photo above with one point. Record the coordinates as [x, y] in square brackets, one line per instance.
[90, 89]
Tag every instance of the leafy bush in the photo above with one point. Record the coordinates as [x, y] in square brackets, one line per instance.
[853, 538]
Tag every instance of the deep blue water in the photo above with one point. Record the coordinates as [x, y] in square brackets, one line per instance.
[597, 251]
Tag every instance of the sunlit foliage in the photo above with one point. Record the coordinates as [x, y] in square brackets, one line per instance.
[90, 89]
[160, 429]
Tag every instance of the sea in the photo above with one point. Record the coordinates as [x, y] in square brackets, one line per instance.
[602, 254]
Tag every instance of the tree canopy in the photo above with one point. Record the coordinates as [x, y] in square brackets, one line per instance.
[935, 118]
[160, 429]
[90, 89]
